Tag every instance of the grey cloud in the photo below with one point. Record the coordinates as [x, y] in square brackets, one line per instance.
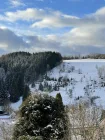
[11, 41]
[46, 43]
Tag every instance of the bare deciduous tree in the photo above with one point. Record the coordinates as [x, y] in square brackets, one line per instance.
[85, 122]
[6, 129]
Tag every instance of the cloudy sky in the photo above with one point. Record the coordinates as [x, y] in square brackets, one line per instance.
[71, 27]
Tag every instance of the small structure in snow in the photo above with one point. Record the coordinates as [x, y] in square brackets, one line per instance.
[1, 109]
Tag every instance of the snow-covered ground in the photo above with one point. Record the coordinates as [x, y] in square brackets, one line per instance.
[85, 60]
[82, 72]
[4, 117]
[16, 106]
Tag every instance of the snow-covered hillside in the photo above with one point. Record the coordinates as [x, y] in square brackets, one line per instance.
[81, 75]
[76, 77]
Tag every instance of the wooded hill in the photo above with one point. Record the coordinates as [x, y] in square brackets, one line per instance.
[19, 69]
[90, 56]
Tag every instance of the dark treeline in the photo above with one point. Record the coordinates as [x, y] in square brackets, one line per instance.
[91, 56]
[19, 69]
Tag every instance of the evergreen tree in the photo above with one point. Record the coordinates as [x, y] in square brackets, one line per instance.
[14, 92]
[59, 98]
[3, 92]
[41, 87]
[20, 82]
[40, 116]
[59, 102]
[26, 92]
[102, 115]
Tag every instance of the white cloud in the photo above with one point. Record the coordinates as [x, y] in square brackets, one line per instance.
[37, 15]
[28, 14]
[47, 18]
[85, 37]
[101, 11]
[16, 3]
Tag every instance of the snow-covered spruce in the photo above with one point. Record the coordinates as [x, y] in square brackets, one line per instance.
[42, 116]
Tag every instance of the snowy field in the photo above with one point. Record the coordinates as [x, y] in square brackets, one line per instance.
[83, 75]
